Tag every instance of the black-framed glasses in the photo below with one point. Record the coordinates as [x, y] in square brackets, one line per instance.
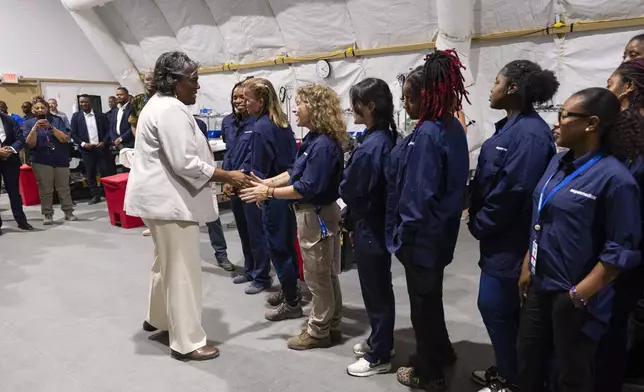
[565, 114]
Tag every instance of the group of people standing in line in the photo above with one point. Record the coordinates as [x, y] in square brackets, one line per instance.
[560, 234]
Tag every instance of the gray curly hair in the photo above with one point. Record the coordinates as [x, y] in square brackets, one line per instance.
[169, 69]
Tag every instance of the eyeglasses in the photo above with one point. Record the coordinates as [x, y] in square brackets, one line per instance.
[564, 114]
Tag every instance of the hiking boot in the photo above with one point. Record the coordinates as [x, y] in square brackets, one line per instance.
[226, 265]
[48, 220]
[284, 312]
[69, 216]
[275, 299]
[364, 368]
[304, 341]
[485, 377]
[407, 377]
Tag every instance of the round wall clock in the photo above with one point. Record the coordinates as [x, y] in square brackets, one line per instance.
[323, 69]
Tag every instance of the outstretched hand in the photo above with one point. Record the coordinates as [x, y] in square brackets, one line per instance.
[256, 193]
[238, 179]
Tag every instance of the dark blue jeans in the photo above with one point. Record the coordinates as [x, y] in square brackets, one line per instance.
[251, 233]
[280, 229]
[374, 270]
[217, 240]
[499, 306]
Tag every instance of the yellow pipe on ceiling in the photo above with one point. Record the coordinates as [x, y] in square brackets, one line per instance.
[557, 28]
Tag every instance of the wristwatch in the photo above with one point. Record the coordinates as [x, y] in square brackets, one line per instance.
[577, 300]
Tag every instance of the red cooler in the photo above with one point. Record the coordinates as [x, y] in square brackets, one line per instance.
[115, 197]
[28, 186]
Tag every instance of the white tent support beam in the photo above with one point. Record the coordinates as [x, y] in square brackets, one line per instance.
[108, 48]
[455, 27]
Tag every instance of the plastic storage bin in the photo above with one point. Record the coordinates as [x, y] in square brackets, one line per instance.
[115, 196]
[28, 186]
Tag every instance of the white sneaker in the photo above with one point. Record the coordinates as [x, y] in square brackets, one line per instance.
[495, 387]
[362, 348]
[363, 368]
[146, 233]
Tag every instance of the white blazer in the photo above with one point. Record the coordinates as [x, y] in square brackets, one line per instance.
[172, 165]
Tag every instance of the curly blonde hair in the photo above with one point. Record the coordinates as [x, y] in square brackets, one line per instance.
[325, 112]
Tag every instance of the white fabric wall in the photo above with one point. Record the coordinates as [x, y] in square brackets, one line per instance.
[41, 40]
[215, 32]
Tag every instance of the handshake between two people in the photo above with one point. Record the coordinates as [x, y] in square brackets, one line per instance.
[246, 186]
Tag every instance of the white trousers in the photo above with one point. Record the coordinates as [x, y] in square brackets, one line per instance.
[175, 284]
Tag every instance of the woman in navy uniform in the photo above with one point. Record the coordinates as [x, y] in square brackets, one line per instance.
[510, 164]
[237, 129]
[627, 83]
[426, 181]
[364, 191]
[48, 140]
[586, 229]
[272, 151]
[312, 186]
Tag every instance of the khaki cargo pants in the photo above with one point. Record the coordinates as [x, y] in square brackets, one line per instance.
[321, 266]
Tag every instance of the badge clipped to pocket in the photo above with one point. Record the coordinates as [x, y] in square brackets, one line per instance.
[533, 257]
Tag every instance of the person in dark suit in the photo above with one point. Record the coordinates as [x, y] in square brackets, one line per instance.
[11, 142]
[90, 131]
[120, 128]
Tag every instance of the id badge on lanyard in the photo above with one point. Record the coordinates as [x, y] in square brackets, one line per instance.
[544, 199]
[324, 231]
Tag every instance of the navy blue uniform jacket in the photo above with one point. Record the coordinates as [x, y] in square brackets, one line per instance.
[238, 139]
[272, 149]
[425, 184]
[48, 150]
[596, 217]
[364, 187]
[317, 172]
[510, 164]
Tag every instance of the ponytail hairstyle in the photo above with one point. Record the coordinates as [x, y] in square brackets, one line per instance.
[632, 73]
[443, 87]
[534, 84]
[376, 91]
[621, 131]
[327, 116]
[263, 89]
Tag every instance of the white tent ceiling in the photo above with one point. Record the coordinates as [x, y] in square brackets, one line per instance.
[216, 32]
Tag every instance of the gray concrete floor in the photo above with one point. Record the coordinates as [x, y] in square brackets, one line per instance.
[73, 296]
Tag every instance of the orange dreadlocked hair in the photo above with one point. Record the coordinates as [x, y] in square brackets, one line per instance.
[443, 87]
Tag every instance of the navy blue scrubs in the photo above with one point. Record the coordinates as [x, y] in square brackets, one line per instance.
[612, 351]
[426, 180]
[248, 216]
[593, 217]
[510, 164]
[364, 191]
[272, 152]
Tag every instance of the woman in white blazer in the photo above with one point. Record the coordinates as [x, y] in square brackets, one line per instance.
[168, 188]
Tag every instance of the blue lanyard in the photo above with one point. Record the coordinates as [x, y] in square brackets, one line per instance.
[543, 201]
